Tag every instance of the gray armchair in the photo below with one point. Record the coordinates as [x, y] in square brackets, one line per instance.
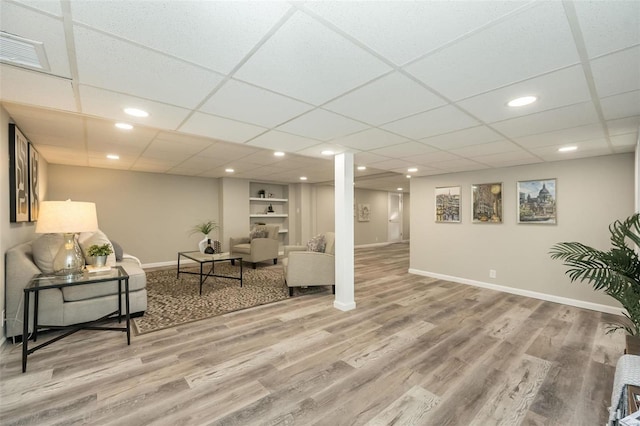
[304, 268]
[256, 250]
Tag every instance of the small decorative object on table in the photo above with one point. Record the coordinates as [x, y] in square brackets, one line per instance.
[261, 193]
[205, 228]
[100, 252]
[208, 249]
[270, 209]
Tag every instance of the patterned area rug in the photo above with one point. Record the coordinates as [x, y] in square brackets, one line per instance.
[172, 301]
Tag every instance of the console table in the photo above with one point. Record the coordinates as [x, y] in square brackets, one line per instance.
[47, 281]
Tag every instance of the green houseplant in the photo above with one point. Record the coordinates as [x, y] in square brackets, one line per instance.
[205, 228]
[616, 272]
[100, 250]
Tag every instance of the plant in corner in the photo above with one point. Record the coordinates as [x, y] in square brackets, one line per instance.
[616, 272]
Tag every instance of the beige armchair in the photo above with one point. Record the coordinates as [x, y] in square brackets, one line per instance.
[256, 250]
[304, 268]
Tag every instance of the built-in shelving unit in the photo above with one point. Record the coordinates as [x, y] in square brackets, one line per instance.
[276, 196]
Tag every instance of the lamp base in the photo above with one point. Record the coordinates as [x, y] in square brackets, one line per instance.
[69, 261]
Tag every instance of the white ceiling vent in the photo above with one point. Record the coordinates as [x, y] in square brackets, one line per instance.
[22, 52]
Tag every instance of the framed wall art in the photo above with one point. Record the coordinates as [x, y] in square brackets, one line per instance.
[34, 183]
[18, 175]
[537, 201]
[487, 202]
[448, 204]
[364, 212]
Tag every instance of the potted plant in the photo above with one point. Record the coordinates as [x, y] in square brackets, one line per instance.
[100, 252]
[205, 228]
[616, 272]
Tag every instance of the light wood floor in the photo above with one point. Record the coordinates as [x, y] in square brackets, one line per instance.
[415, 351]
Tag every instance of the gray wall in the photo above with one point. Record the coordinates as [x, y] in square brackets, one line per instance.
[149, 214]
[591, 193]
[406, 216]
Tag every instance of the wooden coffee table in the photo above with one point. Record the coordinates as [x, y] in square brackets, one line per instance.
[202, 259]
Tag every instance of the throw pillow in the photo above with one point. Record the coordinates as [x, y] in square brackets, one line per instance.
[44, 250]
[87, 239]
[317, 243]
[117, 250]
[258, 233]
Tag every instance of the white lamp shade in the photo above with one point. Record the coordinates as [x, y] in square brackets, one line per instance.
[66, 216]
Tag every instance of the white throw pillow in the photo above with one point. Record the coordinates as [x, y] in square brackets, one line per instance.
[44, 250]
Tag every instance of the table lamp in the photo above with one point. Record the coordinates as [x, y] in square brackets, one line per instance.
[67, 218]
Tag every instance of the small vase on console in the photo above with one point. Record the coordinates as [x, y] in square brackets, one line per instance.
[203, 244]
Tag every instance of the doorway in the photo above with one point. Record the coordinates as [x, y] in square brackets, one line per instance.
[395, 217]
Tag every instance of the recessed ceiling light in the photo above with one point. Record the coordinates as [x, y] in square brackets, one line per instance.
[113, 157]
[567, 148]
[327, 152]
[522, 101]
[136, 112]
[412, 169]
[229, 170]
[279, 154]
[303, 178]
[399, 189]
[361, 168]
[124, 126]
[408, 176]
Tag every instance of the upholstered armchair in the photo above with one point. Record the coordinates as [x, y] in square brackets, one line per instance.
[262, 244]
[304, 267]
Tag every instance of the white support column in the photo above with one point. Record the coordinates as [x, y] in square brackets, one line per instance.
[344, 232]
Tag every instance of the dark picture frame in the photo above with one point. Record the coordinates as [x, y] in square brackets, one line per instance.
[487, 202]
[18, 175]
[537, 201]
[34, 183]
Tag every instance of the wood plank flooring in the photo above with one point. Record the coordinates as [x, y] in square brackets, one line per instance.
[415, 351]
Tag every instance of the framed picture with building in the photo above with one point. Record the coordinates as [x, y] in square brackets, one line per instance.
[487, 202]
[448, 204]
[537, 201]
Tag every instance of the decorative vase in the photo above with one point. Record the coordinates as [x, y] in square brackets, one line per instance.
[100, 261]
[208, 249]
[203, 244]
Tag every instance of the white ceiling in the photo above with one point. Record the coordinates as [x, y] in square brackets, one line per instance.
[399, 84]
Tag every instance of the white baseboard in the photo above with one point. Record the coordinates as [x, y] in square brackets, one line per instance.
[167, 263]
[521, 292]
[373, 245]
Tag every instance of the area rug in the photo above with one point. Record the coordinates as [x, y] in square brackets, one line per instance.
[173, 301]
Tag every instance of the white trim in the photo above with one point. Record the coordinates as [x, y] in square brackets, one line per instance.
[373, 245]
[344, 306]
[520, 292]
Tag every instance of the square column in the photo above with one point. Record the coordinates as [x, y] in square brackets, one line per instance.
[344, 232]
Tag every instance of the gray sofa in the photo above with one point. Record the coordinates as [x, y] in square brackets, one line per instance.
[70, 305]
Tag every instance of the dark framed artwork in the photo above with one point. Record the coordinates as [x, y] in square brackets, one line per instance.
[487, 203]
[537, 201]
[34, 183]
[18, 175]
[448, 204]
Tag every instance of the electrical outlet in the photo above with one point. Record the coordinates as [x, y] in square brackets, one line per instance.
[492, 273]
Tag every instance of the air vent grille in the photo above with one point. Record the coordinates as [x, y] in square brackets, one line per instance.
[22, 52]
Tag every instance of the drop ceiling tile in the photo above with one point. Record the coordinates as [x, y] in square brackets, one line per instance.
[621, 106]
[559, 137]
[623, 125]
[389, 98]
[176, 142]
[520, 47]
[32, 25]
[459, 165]
[402, 31]
[122, 150]
[282, 141]
[48, 127]
[100, 131]
[370, 139]
[213, 34]
[441, 120]
[627, 140]
[243, 102]
[52, 7]
[34, 88]
[198, 164]
[316, 150]
[585, 149]
[106, 104]
[227, 151]
[155, 165]
[432, 158]
[220, 128]
[618, 72]
[462, 138]
[63, 155]
[112, 64]
[407, 149]
[608, 26]
[507, 159]
[100, 161]
[307, 61]
[393, 164]
[553, 90]
[322, 125]
[368, 158]
[159, 151]
[547, 121]
[485, 149]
